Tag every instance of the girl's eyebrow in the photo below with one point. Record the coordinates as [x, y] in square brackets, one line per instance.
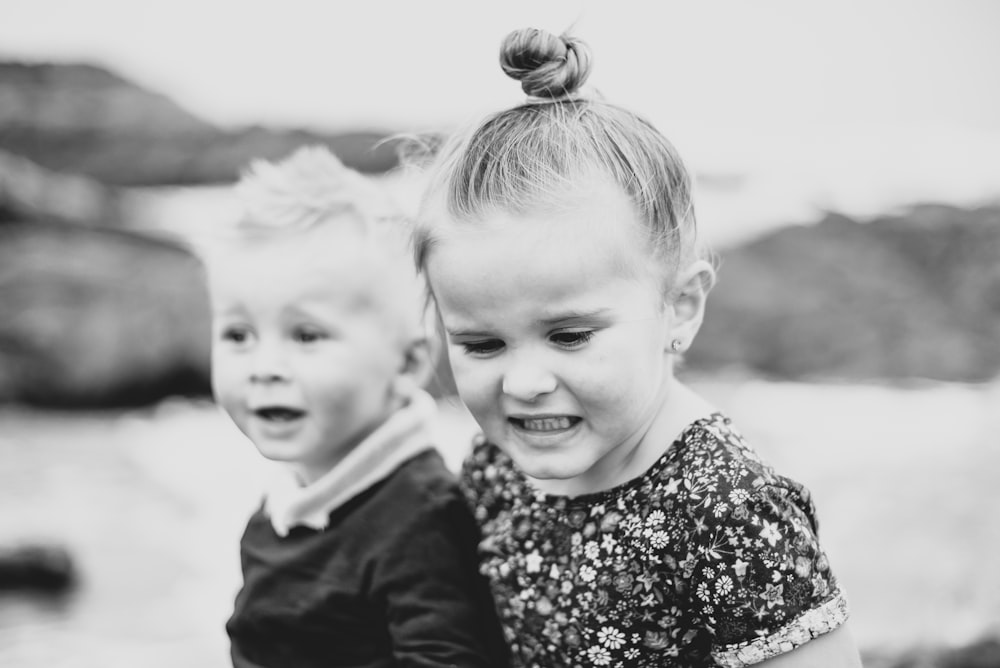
[455, 333]
[576, 317]
[565, 319]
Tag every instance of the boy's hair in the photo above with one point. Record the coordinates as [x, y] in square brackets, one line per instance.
[307, 188]
[313, 190]
[525, 156]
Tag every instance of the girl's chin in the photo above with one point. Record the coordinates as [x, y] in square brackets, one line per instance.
[554, 467]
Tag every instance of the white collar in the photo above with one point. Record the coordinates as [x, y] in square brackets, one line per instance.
[406, 433]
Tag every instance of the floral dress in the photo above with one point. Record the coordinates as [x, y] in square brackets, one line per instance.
[709, 558]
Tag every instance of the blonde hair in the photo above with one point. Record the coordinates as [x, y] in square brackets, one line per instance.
[309, 187]
[313, 190]
[524, 157]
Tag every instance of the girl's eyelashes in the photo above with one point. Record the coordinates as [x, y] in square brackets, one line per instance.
[572, 338]
[481, 348]
[565, 339]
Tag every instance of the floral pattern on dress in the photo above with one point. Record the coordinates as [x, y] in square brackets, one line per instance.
[709, 558]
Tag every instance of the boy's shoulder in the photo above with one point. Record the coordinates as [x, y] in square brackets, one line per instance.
[421, 481]
[421, 498]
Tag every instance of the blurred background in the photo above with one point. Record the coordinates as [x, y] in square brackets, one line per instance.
[845, 155]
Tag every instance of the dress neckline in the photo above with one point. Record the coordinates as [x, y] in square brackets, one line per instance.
[591, 498]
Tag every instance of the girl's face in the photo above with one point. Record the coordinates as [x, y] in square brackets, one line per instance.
[557, 334]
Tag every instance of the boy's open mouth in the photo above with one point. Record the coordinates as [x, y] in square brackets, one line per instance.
[278, 413]
[545, 423]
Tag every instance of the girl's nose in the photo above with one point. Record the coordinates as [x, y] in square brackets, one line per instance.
[528, 382]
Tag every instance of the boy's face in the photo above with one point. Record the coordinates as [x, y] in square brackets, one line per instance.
[303, 359]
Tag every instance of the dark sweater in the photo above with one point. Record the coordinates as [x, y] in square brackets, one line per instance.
[392, 581]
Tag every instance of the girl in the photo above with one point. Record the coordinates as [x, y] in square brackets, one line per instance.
[626, 521]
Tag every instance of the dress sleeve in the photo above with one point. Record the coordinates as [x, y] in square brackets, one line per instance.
[759, 580]
[479, 480]
[439, 608]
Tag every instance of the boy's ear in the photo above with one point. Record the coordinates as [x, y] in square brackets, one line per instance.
[418, 362]
[687, 301]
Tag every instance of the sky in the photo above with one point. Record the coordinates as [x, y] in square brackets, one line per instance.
[396, 62]
[830, 101]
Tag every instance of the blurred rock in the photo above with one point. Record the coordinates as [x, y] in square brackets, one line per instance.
[44, 569]
[908, 296]
[83, 119]
[27, 190]
[66, 98]
[98, 317]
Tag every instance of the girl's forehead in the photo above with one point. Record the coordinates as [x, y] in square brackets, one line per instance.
[587, 225]
[591, 205]
[535, 272]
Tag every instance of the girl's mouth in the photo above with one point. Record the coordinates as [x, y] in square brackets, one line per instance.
[278, 414]
[545, 424]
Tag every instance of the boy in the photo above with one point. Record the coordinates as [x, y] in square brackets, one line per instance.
[366, 556]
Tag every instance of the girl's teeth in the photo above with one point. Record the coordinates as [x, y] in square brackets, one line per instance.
[547, 424]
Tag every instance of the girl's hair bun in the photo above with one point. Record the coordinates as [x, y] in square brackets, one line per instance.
[546, 65]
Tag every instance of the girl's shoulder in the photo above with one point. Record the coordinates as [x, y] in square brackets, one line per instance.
[486, 463]
[754, 559]
[483, 453]
[716, 434]
[488, 475]
[714, 448]
[717, 473]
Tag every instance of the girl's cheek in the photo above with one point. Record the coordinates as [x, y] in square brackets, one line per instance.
[601, 383]
[472, 380]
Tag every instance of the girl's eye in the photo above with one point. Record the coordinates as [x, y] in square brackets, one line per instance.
[482, 348]
[572, 338]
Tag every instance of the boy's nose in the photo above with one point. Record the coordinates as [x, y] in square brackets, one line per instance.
[527, 382]
[266, 377]
[268, 366]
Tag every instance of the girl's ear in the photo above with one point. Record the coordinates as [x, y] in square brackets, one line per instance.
[687, 303]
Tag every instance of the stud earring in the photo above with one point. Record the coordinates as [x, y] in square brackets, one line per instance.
[676, 345]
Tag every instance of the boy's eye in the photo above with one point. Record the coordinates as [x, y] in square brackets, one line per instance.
[308, 335]
[572, 338]
[481, 348]
[237, 335]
